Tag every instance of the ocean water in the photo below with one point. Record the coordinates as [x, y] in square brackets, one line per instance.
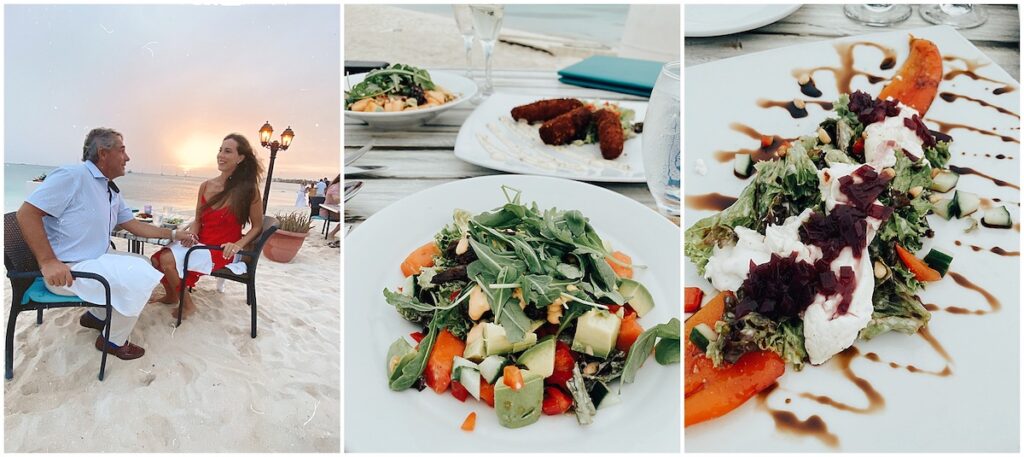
[601, 23]
[166, 194]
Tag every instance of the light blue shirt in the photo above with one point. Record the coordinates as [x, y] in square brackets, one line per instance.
[81, 213]
[321, 188]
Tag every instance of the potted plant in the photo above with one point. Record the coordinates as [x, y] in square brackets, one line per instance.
[292, 230]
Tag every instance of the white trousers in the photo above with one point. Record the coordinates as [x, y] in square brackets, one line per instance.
[120, 325]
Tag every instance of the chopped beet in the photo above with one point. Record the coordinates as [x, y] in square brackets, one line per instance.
[843, 227]
[781, 287]
[917, 125]
[863, 194]
[870, 110]
[879, 212]
[847, 284]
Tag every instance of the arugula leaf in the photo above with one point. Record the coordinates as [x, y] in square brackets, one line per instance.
[643, 345]
[539, 289]
[412, 368]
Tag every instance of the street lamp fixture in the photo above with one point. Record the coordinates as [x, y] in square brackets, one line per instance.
[266, 132]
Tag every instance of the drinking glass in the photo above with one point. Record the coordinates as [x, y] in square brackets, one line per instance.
[960, 16]
[877, 14]
[660, 142]
[486, 25]
[464, 20]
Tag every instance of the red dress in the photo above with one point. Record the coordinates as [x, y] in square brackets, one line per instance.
[218, 226]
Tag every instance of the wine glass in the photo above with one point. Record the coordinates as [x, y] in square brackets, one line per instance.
[960, 16]
[877, 14]
[464, 20]
[486, 24]
[660, 142]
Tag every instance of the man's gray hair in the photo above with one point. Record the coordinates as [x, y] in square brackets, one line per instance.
[99, 138]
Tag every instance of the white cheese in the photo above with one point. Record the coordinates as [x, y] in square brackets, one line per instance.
[827, 334]
[882, 140]
[728, 266]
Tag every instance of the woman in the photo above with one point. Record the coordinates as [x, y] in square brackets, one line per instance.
[333, 197]
[224, 204]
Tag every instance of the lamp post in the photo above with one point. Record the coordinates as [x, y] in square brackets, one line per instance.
[286, 140]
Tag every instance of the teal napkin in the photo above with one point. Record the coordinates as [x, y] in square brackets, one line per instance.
[616, 74]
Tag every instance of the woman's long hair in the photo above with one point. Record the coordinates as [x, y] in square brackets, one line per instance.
[242, 187]
[336, 179]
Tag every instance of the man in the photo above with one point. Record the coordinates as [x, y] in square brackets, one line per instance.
[316, 200]
[321, 188]
[67, 223]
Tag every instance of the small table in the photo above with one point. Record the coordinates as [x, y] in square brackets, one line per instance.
[136, 244]
[336, 209]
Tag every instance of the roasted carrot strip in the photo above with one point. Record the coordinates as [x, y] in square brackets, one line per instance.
[918, 79]
[922, 272]
[711, 392]
[726, 388]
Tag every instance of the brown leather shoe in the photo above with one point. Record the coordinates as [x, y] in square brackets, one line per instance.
[89, 321]
[127, 352]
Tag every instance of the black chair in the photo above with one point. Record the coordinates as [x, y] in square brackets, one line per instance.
[249, 278]
[29, 293]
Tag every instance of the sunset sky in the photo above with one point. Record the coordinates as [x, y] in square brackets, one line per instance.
[174, 80]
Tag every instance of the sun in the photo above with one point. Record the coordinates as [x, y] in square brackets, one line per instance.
[198, 151]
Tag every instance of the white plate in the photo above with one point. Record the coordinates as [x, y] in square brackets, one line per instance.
[490, 138]
[715, 20]
[378, 419]
[974, 409]
[461, 86]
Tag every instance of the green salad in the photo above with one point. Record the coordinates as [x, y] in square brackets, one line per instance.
[527, 310]
[850, 210]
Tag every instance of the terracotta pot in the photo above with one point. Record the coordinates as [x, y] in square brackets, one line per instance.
[283, 245]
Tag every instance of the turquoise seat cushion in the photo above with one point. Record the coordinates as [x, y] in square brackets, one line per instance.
[38, 293]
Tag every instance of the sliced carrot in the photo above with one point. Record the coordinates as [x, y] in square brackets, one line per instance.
[486, 392]
[922, 272]
[438, 374]
[694, 295]
[423, 256]
[513, 377]
[629, 331]
[918, 79]
[624, 271]
[726, 388]
[470, 423]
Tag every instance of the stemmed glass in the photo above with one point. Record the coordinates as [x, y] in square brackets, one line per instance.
[661, 140]
[877, 14]
[464, 20]
[486, 25]
[961, 16]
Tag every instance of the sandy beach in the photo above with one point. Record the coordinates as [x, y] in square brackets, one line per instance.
[204, 387]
